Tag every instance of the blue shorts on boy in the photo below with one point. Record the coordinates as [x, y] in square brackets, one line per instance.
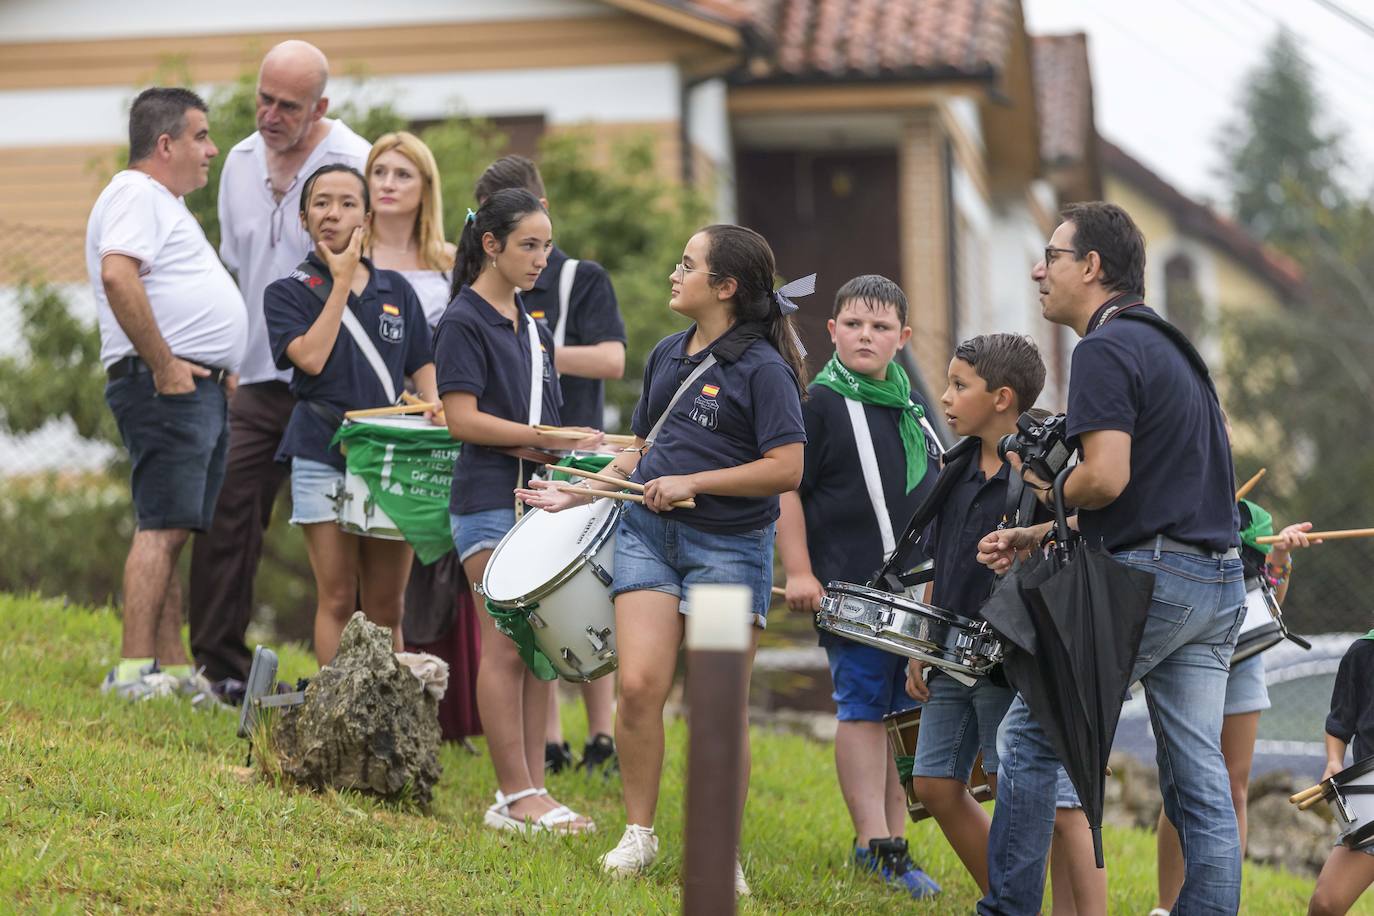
[843, 540]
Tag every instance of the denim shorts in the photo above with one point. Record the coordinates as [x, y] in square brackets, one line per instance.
[654, 553]
[869, 683]
[1245, 687]
[313, 488]
[177, 444]
[1065, 795]
[956, 722]
[478, 531]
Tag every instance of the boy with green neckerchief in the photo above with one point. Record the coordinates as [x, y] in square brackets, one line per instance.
[871, 459]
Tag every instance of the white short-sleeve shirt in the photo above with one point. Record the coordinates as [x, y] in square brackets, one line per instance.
[261, 238]
[198, 309]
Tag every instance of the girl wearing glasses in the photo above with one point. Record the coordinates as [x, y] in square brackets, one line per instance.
[731, 440]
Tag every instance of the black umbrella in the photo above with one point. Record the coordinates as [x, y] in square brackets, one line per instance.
[1073, 620]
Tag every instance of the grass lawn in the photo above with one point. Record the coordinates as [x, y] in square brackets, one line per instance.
[107, 805]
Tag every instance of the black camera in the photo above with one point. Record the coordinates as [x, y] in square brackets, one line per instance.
[1041, 443]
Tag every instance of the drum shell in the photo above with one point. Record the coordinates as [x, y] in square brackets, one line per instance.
[359, 514]
[903, 730]
[1261, 628]
[1350, 793]
[907, 627]
[574, 621]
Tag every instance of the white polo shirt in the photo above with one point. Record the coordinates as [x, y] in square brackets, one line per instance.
[261, 238]
[198, 309]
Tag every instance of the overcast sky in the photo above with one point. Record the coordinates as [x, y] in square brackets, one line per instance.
[1168, 75]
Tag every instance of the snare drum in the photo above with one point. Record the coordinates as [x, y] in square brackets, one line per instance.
[902, 731]
[1263, 626]
[358, 512]
[1350, 793]
[965, 648]
[557, 566]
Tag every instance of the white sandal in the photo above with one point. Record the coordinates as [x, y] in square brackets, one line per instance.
[560, 819]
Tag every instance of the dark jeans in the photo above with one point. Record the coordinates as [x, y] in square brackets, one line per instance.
[225, 558]
[176, 445]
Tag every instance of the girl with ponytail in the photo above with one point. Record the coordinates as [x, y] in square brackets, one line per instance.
[719, 422]
[486, 371]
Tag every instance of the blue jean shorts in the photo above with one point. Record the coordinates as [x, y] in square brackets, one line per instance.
[178, 445]
[474, 532]
[313, 485]
[957, 722]
[869, 683]
[1245, 687]
[655, 553]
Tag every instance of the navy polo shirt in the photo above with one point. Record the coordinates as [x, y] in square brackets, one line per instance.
[1127, 375]
[394, 320]
[477, 350]
[841, 534]
[973, 508]
[730, 416]
[595, 318]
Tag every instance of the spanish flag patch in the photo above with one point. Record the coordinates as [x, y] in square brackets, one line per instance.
[710, 390]
[537, 316]
[390, 309]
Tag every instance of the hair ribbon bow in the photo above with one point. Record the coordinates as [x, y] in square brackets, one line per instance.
[471, 217]
[802, 286]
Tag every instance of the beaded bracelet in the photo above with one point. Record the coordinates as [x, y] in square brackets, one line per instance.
[1283, 575]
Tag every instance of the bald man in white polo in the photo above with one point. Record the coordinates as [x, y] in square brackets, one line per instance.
[261, 240]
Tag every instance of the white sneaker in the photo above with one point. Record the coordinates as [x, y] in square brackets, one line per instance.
[741, 886]
[150, 684]
[636, 851]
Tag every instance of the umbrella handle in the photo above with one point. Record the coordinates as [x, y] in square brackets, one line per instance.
[1097, 847]
[1060, 514]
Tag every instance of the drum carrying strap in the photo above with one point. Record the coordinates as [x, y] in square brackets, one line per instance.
[321, 285]
[536, 371]
[873, 481]
[697, 373]
[565, 285]
[956, 464]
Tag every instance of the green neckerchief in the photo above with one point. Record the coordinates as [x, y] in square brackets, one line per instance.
[1261, 525]
[894, 391]
[1369, 635]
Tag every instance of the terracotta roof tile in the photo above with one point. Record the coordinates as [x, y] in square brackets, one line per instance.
[873, 39]
[1064, 98]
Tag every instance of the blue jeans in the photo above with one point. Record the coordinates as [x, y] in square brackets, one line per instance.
[1196, 613]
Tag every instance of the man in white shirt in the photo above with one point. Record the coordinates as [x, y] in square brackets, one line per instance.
[261, 240]
[172, 333]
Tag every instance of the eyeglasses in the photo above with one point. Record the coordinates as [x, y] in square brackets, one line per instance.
[1051, 251]
[681, 272]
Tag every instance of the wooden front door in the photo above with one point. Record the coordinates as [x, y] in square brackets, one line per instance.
[834, 213]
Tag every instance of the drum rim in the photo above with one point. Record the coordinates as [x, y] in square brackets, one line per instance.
[562, 577]
[1361, 767]
[864, 591]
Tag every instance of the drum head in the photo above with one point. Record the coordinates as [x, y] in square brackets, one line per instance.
[543, 546]
[400, 422]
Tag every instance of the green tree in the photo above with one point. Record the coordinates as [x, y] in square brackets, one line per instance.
[1300, 387]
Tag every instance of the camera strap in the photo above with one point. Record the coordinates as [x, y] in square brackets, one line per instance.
[1126, 308]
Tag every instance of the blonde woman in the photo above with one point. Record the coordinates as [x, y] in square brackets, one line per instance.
[406, 234]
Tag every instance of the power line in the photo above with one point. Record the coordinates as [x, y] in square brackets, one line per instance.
[1335, 8]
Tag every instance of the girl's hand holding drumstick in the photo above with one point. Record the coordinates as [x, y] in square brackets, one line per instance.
[662, 493]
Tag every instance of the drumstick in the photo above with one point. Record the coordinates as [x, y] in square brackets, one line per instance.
[625, 497]
[1307, 793]
[593, 475]
[1341, 535]
[395, 410]
[416, 399]
[563, 432]
[1249, 485]
[1308, 803]
[780, 592]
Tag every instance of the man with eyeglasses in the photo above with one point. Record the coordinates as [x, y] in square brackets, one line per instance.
[1155, 487]
[261, 240]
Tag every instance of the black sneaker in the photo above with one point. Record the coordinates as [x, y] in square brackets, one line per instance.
[599, 754]
[557, 757]
[890, 859]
